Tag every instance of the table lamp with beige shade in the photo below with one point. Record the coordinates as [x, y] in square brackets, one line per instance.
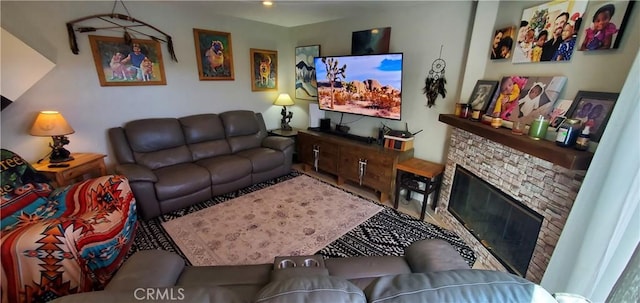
[284, 100]
[52, 123]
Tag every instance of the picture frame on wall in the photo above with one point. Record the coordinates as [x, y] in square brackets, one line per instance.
[306, 84]
[502, 43]
[548, 31]
[482, 94]
[120, 64]
[604, 25]
[593, 109]
[214, 54]
[371, 41]
[264, 69]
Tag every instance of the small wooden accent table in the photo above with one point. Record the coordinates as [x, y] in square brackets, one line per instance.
[81, 165]
[415, 170]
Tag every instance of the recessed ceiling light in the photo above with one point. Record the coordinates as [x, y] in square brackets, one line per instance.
[267, 3]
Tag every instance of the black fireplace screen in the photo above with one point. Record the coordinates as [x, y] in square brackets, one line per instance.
[506, 227]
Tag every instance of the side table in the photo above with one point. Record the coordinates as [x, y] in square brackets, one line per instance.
[415, 170]
[81, 165]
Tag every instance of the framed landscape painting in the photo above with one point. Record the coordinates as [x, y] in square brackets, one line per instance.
[120, 64]
[306, 85]
[264, 69]
[214, 54]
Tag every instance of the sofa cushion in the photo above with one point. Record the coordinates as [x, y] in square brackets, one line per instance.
[157, 142]
[240, 123]
[200, 128]
[225, 169]
[460, 286]
[365, 267]
[311, 289]
[148, 268]
[180, 180]
[205, 136]
[243, 130]
[433, 255]
[263, 159]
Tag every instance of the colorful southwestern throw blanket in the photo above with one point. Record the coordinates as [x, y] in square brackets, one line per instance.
[60, 241]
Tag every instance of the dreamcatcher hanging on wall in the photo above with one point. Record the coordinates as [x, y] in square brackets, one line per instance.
[435, 81]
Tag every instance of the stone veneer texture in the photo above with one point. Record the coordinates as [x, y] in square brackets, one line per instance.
[548, 189]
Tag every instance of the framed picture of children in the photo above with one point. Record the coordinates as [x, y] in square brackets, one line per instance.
[593, 109]
[524, 98]
[502, 43]
[604, 25]
[482, 94]
[548, 31]
[214, 54]
[122, 64]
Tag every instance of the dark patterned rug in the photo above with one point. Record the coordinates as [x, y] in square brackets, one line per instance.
[386, 233]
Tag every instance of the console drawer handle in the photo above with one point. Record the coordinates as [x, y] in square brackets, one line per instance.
[362, 169]
[316, 156]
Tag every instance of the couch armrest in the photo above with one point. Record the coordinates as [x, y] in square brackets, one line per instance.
[120, 144]
[433, 255]
[136, 173]
[278, 143]
[148, 268]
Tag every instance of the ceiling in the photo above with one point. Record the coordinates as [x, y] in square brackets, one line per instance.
[289, 13]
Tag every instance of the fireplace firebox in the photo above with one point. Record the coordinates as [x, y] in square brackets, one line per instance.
[506, 227]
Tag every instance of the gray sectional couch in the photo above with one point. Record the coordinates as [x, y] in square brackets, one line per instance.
[172, 163]
[429, 271]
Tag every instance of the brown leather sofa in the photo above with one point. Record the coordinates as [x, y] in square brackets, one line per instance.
[430, 271]
[172, 163]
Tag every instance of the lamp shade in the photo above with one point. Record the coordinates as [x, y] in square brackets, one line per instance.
[283, 100]
[50, 123]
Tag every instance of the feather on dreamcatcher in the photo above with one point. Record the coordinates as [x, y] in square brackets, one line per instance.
[435, 81]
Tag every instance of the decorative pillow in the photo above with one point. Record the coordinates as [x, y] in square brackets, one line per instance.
[460, 285]
[23, 191]
[321, 289]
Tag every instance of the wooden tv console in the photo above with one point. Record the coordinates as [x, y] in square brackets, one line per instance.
[366, 164]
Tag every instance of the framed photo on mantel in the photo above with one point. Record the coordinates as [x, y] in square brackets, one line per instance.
[593, 109]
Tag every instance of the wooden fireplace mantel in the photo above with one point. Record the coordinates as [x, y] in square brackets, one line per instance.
[566, 157]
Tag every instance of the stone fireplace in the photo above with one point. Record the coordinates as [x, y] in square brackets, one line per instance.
[545, 188]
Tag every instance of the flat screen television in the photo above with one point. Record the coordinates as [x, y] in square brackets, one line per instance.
[369, 85]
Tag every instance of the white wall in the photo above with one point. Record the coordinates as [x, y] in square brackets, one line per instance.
[418, 31]
[72, 87]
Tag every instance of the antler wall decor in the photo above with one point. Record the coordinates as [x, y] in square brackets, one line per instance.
[115, 25]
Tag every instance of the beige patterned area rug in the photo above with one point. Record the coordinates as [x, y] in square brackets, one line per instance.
[299, 216]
